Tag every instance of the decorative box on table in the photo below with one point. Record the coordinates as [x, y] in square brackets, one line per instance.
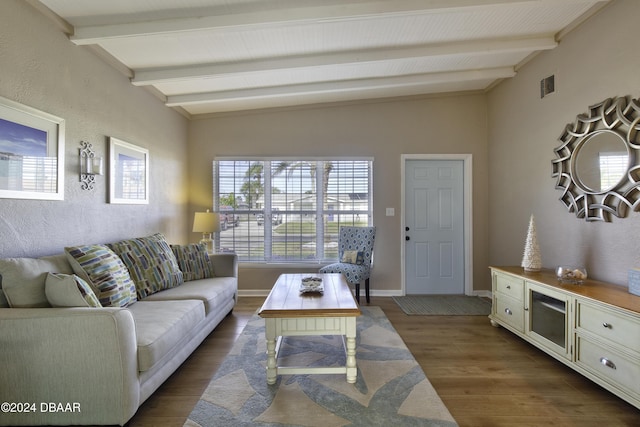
[634, 281]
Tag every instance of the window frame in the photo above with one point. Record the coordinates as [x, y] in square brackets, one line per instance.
[267, 209]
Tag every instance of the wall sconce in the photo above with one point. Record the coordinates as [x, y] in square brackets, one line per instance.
[90, 165]
[206, 223]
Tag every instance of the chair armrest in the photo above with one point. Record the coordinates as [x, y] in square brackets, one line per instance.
[81, 356]
[224, 264]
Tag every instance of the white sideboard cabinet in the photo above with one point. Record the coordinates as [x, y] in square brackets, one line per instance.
[593, 327]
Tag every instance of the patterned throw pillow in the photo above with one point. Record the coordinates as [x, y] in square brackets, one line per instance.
[193, 261]
[353, 257]
[69, 290]
[151, 263]
[104, 271]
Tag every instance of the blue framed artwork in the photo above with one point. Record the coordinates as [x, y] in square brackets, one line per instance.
[128, 173]
[31, 153]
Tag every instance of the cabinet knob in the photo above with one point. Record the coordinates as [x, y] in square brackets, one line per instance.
[509, 312]
[608, 363]
[508, 286]
[607, 325]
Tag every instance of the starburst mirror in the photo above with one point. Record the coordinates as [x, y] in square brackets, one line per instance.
[596, 165]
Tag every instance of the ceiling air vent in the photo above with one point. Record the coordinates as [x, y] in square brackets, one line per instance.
[547, 86]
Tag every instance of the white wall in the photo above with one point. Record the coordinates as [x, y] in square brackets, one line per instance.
[599, 60]
[384, 131]
[41, 68]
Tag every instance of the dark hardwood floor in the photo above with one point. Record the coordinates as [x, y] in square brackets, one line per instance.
[486, 376]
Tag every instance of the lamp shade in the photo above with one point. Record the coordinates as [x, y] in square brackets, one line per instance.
[206, 222]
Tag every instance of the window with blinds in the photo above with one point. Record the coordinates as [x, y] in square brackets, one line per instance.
[289, 210]
[28, 173]
[613, 167]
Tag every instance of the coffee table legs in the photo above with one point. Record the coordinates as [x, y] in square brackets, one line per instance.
[270, 332]
[345, 326]
[352, 370]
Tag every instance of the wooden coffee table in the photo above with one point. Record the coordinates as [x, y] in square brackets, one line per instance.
[287, 312]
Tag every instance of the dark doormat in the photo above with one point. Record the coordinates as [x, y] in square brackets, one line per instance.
[444, 305]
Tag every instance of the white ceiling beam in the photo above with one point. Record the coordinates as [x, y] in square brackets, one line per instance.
[171, 74]
[341, 86]
[95, 34]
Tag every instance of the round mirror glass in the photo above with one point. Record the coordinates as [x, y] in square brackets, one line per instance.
[600, 161]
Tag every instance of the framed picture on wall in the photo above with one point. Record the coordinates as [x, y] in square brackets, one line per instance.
[31, 153]
[128, 173]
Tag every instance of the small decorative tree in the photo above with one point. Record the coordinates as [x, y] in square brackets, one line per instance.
[531, 260]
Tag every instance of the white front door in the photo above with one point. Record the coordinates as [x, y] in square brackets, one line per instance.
[434, 227]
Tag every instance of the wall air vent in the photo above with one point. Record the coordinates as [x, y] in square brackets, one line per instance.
[547, 86]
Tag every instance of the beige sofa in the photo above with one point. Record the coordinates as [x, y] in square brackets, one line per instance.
[82, 365]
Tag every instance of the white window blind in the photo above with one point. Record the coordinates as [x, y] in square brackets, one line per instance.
[613, 167]
[289, 210]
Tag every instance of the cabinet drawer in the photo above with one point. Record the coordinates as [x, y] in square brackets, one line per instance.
[511, 286]
[617, 327]
[608, 365]
[509, 311]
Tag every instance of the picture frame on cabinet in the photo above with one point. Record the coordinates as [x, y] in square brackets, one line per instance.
[128, 173]
[31, 153]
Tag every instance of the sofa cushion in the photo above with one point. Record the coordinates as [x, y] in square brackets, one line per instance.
[193, 261]
[23, 279]
[69, 290]
[162, 326]
[104, 271]
[151, 263]
[209, 291]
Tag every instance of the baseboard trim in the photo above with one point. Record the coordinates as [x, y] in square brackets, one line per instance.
[377, 293]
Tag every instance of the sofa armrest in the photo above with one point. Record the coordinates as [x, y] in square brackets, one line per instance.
[224, 264]
[82, 357]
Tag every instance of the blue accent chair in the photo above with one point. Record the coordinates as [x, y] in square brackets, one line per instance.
[358, 239]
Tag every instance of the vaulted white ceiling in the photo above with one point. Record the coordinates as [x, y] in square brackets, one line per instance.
[211, 56]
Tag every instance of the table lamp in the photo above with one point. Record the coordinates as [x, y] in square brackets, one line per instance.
[206, 223]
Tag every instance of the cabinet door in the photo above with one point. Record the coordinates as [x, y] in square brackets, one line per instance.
[547, 318]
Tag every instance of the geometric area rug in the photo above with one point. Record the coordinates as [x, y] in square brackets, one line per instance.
[390, 390]
[444, 305]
